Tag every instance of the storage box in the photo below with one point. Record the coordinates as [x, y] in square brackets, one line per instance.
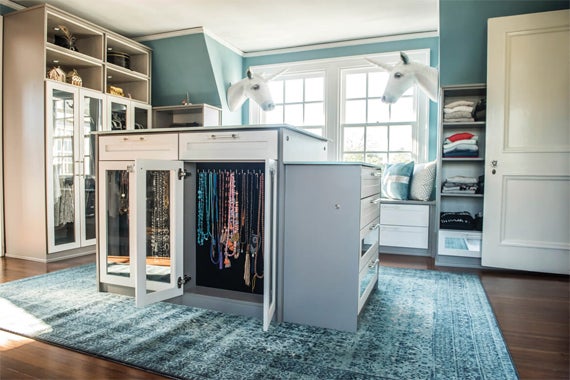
[460, 243]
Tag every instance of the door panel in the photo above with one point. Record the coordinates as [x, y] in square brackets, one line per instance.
[527, 191]
[158, 249]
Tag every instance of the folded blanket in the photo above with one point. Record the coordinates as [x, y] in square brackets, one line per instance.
[457, 115]
[461, 154]
[449, 145]
[461, 136]
[461, 179]
[460, 120]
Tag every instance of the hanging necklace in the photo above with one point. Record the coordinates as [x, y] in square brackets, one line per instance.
[260, 228]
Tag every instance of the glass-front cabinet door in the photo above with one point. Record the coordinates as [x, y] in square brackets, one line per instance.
[141, 115]
[140, 223]
[62, 166]
[119, 113]
[92, 115]
[270, 243]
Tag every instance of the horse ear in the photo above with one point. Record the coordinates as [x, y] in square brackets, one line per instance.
[404, 57]
[249, 74]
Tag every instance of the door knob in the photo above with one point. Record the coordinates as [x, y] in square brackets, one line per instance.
[494, 166]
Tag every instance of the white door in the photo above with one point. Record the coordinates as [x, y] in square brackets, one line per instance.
[157, 250]
[527, 177]
[270, 243]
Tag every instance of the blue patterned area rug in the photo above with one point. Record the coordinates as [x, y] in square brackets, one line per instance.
[417, 325]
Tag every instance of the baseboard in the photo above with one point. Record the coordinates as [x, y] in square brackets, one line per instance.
[458, 262]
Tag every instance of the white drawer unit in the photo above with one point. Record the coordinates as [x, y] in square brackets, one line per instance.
[127, 147]
[331, 243]
[229, 145]
[405, 225]
[459, 243]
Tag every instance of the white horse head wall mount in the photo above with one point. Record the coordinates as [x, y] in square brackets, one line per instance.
[404, 74]
[254, 87]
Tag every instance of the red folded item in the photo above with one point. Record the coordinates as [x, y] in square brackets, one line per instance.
[460, 136]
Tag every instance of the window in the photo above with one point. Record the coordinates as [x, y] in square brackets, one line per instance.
[340, 98]
[373, 131]
[299, 101]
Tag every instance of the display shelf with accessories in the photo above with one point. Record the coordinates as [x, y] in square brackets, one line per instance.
[190, 115]
[460, 179]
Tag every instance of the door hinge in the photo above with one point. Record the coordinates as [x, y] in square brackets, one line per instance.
[183, 174]
[182, 281]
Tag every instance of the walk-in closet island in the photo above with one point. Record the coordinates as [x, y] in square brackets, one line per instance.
[196, 215]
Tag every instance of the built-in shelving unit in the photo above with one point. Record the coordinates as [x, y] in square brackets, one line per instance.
[460, 246]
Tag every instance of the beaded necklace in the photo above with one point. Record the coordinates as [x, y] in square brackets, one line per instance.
[260, 228]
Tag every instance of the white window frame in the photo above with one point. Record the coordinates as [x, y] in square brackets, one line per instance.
[332, 68]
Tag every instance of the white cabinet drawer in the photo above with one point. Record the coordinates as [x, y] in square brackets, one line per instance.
[459, 243]
[133, 146]
[369, 209]
[401, 236]
[405, 215]
[369, 237]
[369, 181]
[233, 145]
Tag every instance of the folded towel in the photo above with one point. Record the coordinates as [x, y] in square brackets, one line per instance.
[458, 103]
[462, 147]
[458, 109]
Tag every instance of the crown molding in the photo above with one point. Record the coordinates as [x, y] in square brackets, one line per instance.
[11, 4]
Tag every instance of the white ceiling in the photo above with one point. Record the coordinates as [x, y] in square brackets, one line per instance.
[258, 25]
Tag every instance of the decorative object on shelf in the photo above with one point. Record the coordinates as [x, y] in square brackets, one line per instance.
[67, 40]
[396, 180]
[56, 73]
[114, 90]
[254, 87]
[404, 74]
[186, 101]
[74, 78]
[119, 58]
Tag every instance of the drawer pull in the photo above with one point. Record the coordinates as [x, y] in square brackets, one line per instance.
[376, 174]
[372, 228]
[127, 139]
[228, 136]
[375, 201]
[375, 263]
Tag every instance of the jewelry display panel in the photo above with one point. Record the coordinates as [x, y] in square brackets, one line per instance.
[230, 220]
[117, 215]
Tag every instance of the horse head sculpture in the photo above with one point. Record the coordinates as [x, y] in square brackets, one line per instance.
[254, 87]
[404, 74]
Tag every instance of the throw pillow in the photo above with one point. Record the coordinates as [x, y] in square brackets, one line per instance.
[423, 181]
[396, 180]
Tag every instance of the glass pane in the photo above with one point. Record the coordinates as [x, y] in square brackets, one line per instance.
[355, 85]
[294, 114]
[117, 210]
[276, 89]
[359, 157]
[378, 111]
[403, 110]
[92, 121]
[314, 89]
[63, 104]
[377, 138]
[275, 116]
[353, 139]
[314, 114]
[401, 137]
[377, 84]
[141, 118]
[355, 111]
[400, 157]
[377, 158]
[293, 90]
[158, 225]
[118, 116]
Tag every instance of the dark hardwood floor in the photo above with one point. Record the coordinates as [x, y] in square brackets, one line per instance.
[533, 311]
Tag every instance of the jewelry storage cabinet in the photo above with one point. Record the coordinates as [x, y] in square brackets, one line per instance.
[190, 216]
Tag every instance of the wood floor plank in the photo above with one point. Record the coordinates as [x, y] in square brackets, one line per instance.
[531, 309]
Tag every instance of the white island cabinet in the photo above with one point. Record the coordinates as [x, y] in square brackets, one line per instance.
[192, 215]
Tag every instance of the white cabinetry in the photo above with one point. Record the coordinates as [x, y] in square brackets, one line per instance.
[192, 115]
[332, 216]
[49, 189]
[460, 246]
[126, 114]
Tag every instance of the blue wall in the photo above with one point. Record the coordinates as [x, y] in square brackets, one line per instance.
[463, 34]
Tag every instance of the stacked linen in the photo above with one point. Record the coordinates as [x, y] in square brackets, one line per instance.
[462, 144]
[461, 185]
[459, 111]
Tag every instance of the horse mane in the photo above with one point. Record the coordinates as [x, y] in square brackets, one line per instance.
[236, 95]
